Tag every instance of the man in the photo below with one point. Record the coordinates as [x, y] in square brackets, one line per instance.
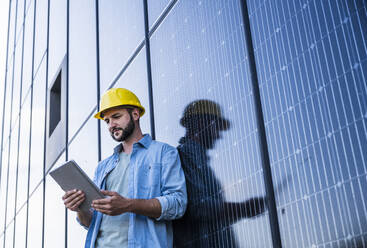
[143, 181]
[209, 217]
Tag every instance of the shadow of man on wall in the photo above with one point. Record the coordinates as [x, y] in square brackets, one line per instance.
[208, 218]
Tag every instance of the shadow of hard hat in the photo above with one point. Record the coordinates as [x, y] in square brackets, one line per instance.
[202, 109]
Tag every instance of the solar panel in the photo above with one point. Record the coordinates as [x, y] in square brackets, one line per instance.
[311, 58]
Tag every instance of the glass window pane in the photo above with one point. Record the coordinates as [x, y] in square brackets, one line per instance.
[54, 235]
[134, 79]
[121, 30]
[28, 50]
[40, 32]
[20, 228]
[12, 173]
[57, 44]
[4, 181]
[155, 8]
[203, 104]
[82, 65]
[84, 150]
[20, 14]
[11, 32]
[38, 126]
[7, 112]
[35, 217]
[17, 83]
[9, 235]
[23, 153]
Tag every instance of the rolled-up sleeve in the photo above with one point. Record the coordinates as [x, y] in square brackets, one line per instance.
[173, 186]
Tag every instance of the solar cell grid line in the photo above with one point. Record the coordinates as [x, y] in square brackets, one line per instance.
[354, 79]
[325, 106]
[360, 27]
[299, 151]
[293, 145]
[344, 151]
[313, 109]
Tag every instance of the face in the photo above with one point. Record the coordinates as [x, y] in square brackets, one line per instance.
[120, 123]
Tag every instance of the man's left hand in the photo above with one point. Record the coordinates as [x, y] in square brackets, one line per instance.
[115, 204]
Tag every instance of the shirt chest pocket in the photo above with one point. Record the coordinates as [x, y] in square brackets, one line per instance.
[150, 177]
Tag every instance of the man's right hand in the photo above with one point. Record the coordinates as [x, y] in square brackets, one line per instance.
[73, 198]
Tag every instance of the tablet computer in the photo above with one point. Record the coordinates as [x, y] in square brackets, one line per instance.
[70, 176]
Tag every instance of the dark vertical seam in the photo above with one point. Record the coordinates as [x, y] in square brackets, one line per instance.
[45, 126]
[98, 81]
[67, 105]
[19, 123]
[30, 121]
[273, 216]
[149, 69]
[11, 116]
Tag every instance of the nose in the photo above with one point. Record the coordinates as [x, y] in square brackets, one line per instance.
[111, 124]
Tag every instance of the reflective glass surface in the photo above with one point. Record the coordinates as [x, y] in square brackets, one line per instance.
[134, 79]
[41, 31]
[121, 29]
[11, 32]
[20, 228]
[20, 14]
[57, 44]
[84, 150]
[28, 50]
[82, 64]
[155, 9]
[7, 112]
[17, 83]
[54, 235]
[38, 125]
[9, 235]
[23, 153]
[12, 173]
[4, 180]
[203, 105]
[311, 60]
[35, 217]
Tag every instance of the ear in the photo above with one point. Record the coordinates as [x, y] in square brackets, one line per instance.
[136, 114]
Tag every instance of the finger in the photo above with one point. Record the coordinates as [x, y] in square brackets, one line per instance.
[73, 197]
[102, 207]
[102, 201]
[75, 200]
[69, 193]
[108, 193]
[75, 207]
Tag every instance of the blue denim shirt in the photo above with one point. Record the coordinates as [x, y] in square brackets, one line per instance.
[155, 172]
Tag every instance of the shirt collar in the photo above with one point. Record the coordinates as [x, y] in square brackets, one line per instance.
[145, 142]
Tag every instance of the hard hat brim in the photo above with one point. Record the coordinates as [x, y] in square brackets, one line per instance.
[98, 115]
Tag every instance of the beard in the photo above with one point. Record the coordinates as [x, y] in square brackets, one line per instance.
[126, 132]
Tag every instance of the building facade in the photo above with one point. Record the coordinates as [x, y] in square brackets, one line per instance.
[274, 91]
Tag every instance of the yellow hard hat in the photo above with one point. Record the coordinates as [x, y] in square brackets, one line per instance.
[118, 97]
